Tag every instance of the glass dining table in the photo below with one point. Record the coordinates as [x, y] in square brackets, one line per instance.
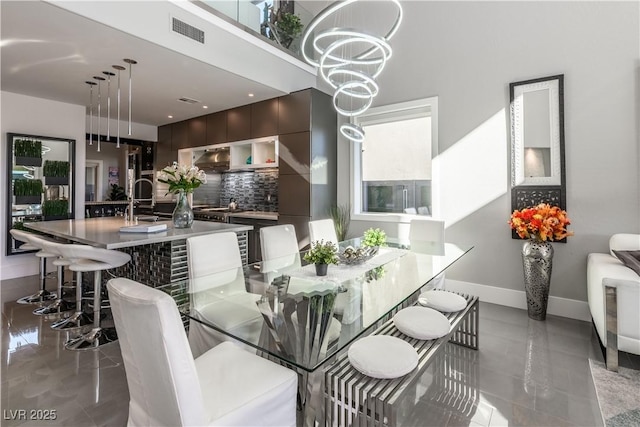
[284, 312]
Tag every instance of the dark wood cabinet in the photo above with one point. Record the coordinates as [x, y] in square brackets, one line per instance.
[294, 195]
[294, 112]
[180, 135]
[305, 192]
[197, 132]
[294, 153]
[165, 154]
[239, 123]
[264, 118]
[216, 128]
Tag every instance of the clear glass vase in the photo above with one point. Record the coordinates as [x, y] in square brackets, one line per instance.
[182, 214]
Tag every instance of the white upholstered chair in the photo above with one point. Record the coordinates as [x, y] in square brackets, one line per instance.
[323, 229]
[607, 269]
[167, 387]
[218, 291]
[279, 245]
[427, 236]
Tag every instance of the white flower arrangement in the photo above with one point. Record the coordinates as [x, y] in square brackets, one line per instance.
[182, 178]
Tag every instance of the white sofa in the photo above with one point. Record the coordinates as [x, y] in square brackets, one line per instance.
[606, 273]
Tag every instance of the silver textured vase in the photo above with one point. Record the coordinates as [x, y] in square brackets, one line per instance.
[537, 260]
[182, 214]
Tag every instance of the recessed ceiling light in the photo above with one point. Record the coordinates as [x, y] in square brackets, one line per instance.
[250, 95]
[205, 107]
[171, 117]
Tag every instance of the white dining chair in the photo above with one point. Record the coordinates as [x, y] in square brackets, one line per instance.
[218, 292]
[278, 241]
[427, 236]
[168, 387]
[323, 229]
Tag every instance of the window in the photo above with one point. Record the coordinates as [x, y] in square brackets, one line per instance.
[392, 169]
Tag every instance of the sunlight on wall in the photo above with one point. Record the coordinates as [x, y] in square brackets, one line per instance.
[474, 171]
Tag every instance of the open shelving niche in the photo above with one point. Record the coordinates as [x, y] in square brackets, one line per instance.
[248, 154]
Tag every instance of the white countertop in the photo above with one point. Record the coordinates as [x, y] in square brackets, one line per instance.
[255, 215]
[105, 232]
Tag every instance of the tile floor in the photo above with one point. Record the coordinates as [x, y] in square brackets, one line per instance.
[525, 373]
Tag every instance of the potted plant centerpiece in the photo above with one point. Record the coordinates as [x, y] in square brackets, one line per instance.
[182, 180]
[322, 254]
[374, 237]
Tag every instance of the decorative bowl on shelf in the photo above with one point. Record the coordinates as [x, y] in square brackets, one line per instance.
[351, 255]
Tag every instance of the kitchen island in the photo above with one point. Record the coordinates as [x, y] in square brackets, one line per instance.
[157, 259]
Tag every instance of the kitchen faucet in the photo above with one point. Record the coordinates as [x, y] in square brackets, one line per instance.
[129, 215]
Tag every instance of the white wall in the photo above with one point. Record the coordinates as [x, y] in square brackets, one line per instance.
[36, 116]
[467, 53]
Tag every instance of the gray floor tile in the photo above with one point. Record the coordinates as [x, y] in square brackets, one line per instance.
[525, 373]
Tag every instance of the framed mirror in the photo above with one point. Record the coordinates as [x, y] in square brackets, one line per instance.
[40, 174]
[537, 132]
[537, 143]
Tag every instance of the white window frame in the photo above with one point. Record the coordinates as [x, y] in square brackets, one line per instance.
[404, 110]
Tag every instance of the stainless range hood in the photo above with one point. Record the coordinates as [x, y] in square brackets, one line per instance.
[214, 159]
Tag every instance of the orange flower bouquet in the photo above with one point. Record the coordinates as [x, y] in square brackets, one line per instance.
[543, 222]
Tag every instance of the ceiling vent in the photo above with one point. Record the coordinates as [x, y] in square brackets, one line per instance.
[188, 100]
[187, 30]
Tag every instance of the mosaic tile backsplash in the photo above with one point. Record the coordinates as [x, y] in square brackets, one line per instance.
[254, 191]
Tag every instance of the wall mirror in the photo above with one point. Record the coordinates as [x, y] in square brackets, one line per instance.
[537, 143]
[537, 132]
[40, 173]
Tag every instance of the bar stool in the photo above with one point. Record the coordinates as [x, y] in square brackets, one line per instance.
[33, 242]
[91, 259]
[79, 318]
[59, 306]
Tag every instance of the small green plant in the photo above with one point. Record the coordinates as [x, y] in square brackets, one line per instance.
[341, 220]
[55, 207]
[374, 237]
[27, 187]
[283, 27]
[116, 193]
[19, 225]
[322, 252]
[55, 168]
[27, 148]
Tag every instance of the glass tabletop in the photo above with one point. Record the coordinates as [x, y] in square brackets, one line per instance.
[282, 308]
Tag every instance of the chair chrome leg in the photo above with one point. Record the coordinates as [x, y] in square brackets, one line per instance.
[611, 313]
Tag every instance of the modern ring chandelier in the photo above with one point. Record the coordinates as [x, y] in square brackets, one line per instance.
[349, 60]
[99, 80]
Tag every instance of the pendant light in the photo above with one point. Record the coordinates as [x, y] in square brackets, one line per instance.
[100, 80]
[351, 75]
[119, 68]
[109, 74]
[130, 62]
[91, 85]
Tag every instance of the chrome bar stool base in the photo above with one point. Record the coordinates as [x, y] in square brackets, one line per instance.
[39, 298]
[76, 321]
[92, 340]
[58, 307]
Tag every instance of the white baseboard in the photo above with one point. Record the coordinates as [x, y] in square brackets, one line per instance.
[557, 306]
